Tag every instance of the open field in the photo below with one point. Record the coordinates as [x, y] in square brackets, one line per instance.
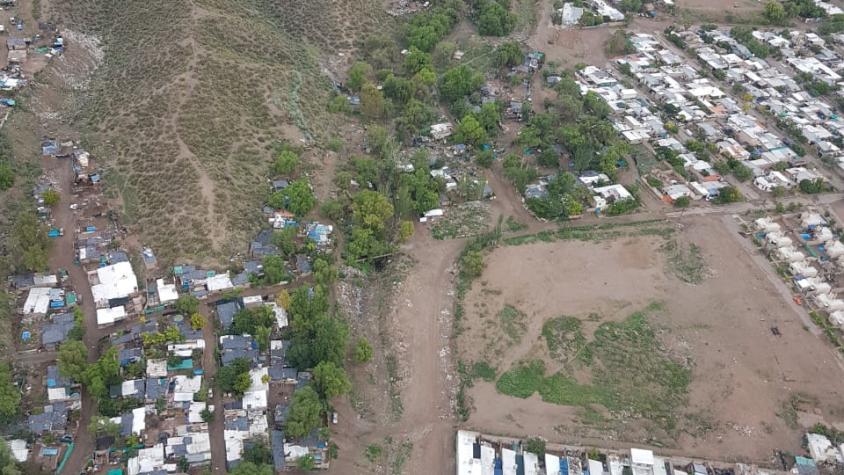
[660, 338]
[191, 97]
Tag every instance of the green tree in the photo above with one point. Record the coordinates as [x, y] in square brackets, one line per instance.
[51, 197]
[73, 360]
[100, 425]
[508, 54]
[258, 453]
[229, 377]
[285, 240]
[298, 198]
[416, 60]
[306, 463]
[197, 321]
[248, 320]
[618, 43]
[304, 413]
[469, 131]
[207, 415]
[8, 466]
[28, 243]
[249, 468]
[286, 162]
[363, 351]
[489, 116]
[372, 104]
[187, 304]
[330, 380]
[459, 82]
[10, 396]
[812, 186]
[775, 13]
[371, 210]
[495, 20]
[398, 89]
[275, 269]
[682, 202]
[262, 336]
[358, 74]
[728, 194]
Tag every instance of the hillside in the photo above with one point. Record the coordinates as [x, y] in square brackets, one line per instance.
[191, 99]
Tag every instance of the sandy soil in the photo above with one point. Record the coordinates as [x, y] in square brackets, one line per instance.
[419, 324]
[742, 374]
[568, 46]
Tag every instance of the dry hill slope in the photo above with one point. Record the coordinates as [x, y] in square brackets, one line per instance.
[191, 97]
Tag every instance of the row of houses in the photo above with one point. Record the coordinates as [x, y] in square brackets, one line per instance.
[479, 454]
[775, 89]
[711, 115]
[273, 380]
[811, 253]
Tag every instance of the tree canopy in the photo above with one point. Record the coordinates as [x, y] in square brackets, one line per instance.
[330, 380]
[10, 397]
[304, 412]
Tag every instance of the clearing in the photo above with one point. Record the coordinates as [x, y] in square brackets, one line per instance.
[656, 333]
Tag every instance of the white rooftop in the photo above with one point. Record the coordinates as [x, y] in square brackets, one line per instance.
[114, 282]
[37, 302]
[107, 316]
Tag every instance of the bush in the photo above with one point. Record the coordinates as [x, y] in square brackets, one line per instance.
[728, 194]
[285, 163]
[51, 197]
[812, 186]
[363, 351]
[682, 202]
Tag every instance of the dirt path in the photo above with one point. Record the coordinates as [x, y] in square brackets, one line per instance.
[423, 313]
[62, 256]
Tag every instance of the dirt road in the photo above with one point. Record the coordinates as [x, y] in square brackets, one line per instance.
[423, 313]
[62, 257]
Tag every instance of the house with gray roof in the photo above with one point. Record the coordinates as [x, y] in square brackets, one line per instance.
[57, 330]
[52, 420]
[233, 347]
[226, 312]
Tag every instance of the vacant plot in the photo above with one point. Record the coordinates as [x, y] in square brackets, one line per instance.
[658, 337]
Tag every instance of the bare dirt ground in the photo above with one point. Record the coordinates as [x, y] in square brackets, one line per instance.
[420, 413]
[744, 378]
[719, 8]
[568, 46]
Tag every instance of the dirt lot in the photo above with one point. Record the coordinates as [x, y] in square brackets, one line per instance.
[745, 382]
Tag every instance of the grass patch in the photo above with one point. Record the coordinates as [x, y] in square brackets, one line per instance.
[396, 405]
[373, 452]
[631, 374]
[686, 263]
[513, 323]
[483, 370]
[601, 232]
[513, 225]
[565, 341]
[461, 221]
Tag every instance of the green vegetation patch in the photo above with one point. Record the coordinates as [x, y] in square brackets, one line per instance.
[686, 262]
[565, 340]
[465, 220]
[631, 373]
[513, 323]
[602, 232]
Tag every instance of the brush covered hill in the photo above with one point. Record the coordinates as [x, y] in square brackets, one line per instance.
[192, 97]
